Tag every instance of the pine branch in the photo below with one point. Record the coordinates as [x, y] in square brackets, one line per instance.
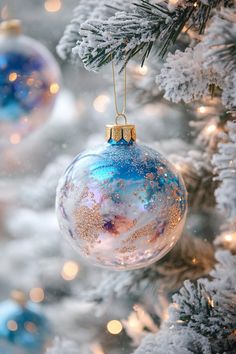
[87, 9]
[225, 164]
[133, 32]
[124, 35]
[71, 35]
[221, 39]
[202, 318]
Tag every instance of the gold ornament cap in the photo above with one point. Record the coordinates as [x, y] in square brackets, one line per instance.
[118, 132]
[11, 27]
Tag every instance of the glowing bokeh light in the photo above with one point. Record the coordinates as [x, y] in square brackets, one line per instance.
[100, 103]
[202, 109]
[211, 128]
[12, 77]
[228, 237]
[143, 70]
[52, 5]
[114, 327]
[30, 327]
[15, 139]
[70, 270]
[36, 294]
[54, 88]
[12, 325]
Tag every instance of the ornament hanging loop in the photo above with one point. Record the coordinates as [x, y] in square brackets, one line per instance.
[119, 113]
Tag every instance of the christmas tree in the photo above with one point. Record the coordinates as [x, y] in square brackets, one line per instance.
[180, 59]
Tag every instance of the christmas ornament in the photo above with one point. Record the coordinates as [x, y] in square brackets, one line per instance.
[22, 326]
[122, 205]
[29, 83]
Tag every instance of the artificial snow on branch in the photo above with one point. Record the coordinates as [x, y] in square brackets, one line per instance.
[225, 164]
[63, 347]
[190, 80]
[197, 174]
[220, 38]
[175, 340]
[211, 62]
[86, 10]
[196, 323]
[132, 29]
[71, 35]
[127, 33]
[191, 258]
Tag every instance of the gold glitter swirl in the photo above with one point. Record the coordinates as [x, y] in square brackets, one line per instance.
[174, 217]
[125, 249]
[89, 223]
[146, 231]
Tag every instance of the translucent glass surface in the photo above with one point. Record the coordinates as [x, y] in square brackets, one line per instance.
[122, 206]
[29, 83]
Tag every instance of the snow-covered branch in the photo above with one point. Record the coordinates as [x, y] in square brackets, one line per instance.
[196, 324]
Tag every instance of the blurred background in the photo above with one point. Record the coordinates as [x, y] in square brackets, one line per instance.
[37, 267]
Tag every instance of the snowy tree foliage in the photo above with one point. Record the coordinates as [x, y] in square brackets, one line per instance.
[221, 40]
[225, 163]
[175, 340]
[221, 54]
[190, 258]
[63, 347]
[210, 62]
[135, 29]
[202, 316]
[121, 30]
[196, 324]
[87, 9]
[72, 32]
[190, 80]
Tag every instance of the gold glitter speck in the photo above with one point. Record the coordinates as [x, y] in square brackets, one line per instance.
[89, 223]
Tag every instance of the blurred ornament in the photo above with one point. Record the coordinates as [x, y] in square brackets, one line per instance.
[122, 205]
[29, 83]
[22, 326]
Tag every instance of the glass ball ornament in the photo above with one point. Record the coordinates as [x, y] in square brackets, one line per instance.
[121, 205]
[23, 328]
[29, 83]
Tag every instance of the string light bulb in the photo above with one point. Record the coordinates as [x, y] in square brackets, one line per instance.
[211, 128]
[114, 327]
[173, 2]
[36, 295]
[101, 102]
[202, 109]
[70, 270]
[12, 325]
[54, 88]
[12, 76]
[30, 327]
[52, 5]
[228, 237]
[227, 240]
[143, 70]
